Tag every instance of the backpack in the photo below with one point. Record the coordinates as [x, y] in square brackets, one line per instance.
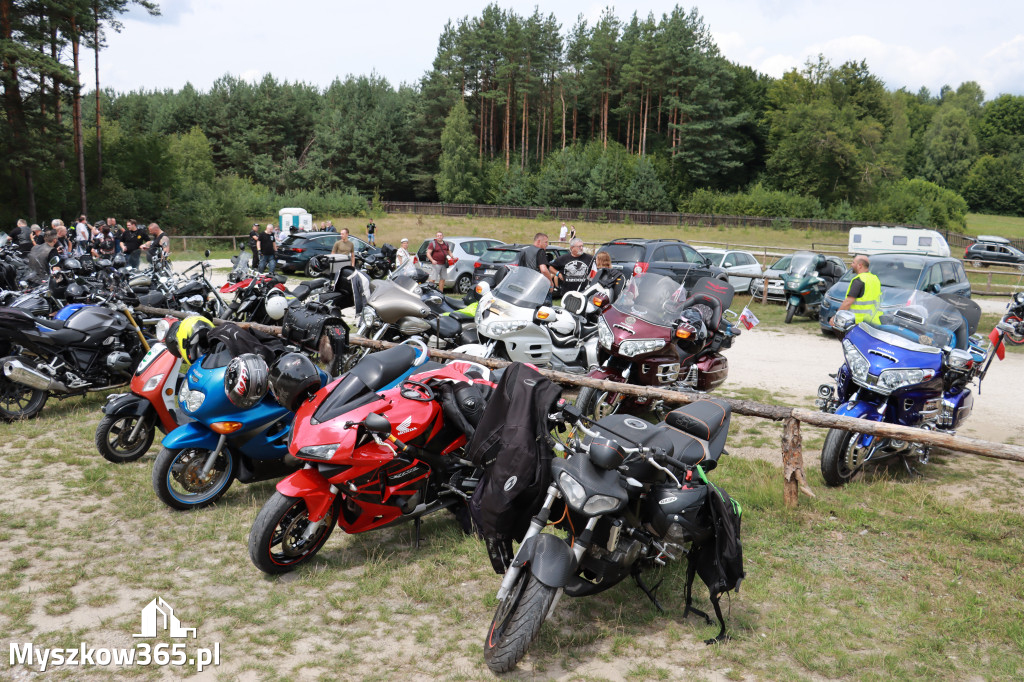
[718, 560]
[513, 445]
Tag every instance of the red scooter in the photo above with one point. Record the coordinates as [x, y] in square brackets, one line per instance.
[130, 420]
[374, 458]
[654, 335]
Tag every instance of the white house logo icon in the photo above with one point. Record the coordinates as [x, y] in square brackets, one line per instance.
[159, 615]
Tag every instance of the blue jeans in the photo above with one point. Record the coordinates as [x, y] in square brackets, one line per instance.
[133, 258]
[268, 260]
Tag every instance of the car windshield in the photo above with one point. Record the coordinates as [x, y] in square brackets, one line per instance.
[716, 258]
[523, 287]
[782, 264]
[903, 273]
[653, 298]
[500, 255]
[921, 318]
[621, 252]
[803, 263]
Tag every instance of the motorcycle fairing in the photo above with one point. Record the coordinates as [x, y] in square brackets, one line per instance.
[860, 409]
[191, 435]
[311, 486]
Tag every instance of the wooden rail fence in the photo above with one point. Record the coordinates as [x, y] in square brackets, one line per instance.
[794, 480]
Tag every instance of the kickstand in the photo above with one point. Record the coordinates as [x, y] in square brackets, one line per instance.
[416, 523]
[649, 591]
[910, 470]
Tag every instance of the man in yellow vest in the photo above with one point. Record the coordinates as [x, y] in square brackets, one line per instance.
[864, 295]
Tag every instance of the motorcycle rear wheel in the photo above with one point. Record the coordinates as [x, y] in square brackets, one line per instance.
[18, 401]
[177, 477]
[840, 457]
[517, 622]
[597, 404]
[1013, 339]
[790, 312]
[112, 435]
[276, 543]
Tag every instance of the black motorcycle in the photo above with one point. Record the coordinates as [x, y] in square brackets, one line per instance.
[1013, 320]
[95, 348]
[623, 510]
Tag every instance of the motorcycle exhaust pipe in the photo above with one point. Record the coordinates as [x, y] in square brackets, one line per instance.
[19, 373]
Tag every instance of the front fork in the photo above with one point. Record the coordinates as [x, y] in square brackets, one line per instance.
[212, 457]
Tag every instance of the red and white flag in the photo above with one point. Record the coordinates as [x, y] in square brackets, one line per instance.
[997, 340]
[748, 319]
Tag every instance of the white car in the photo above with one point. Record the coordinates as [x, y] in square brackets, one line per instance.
[468, 250]
[735, 262]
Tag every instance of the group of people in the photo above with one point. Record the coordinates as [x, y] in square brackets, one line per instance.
[568, 272]
[104, 239]
[264, 245]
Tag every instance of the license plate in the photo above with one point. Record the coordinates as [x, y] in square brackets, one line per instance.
[489, 272]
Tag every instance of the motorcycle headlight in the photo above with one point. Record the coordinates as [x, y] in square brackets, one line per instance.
[790, 286]
[152, 383]
[322, 452]
[604, 334]
[574, 493]
[501, 327]
[191, 400]
[892, 379]
[640, 346]
[600, 504]
[369, 316]
[859, 365]
[161, 330]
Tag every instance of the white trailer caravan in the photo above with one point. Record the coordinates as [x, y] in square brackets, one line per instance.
[869, 240]
[295, 219]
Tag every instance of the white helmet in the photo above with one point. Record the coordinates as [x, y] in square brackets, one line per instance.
[276, 306]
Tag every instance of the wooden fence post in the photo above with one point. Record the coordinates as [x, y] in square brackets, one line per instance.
[794, 480]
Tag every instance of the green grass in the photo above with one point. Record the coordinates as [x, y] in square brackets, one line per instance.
[1004, 226]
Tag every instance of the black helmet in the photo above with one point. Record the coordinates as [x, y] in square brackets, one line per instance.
[75, 293]
[119, 261]
[246, 380]
[71, 264]
[293, 379]
[606, 454]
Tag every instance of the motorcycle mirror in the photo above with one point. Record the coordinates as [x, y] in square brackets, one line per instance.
[1005, 327]
[207, 253]
[54, 262]
[378, 424]
[843, 320]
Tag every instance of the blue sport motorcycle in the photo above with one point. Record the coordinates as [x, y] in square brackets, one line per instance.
[200, 459]
[912, 367]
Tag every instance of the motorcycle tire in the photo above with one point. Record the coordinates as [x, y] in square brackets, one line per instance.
[835, 468]
[1013, 339]
[593, 403]
[18, 401]
[113, 431]
[790, 312]
[177, 482]
[517, 622]
[281, 524]
[312, 269]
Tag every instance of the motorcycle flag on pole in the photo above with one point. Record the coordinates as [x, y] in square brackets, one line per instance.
[748, 319]
[997, 340]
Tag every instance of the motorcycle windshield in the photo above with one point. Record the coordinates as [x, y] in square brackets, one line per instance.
[919, 319]
[652, 298]
[523, 287]
[803, 263]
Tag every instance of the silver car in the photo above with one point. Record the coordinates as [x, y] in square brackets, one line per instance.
[735, 262]
[468, 251]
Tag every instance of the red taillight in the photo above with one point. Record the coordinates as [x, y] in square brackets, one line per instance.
[415, 260]
[966, 251]
[476, 265]
[297, 250]
[640, 268]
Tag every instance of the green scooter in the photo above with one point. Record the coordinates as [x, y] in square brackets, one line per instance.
[804, 288]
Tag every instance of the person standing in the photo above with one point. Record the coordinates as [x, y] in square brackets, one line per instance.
[267, 247]
[83, 235]
[132, 241]
[572, 232]
[63, 243]
[371, 233]
[18, 232]
[438, 252]
[35, 235]
[562, 232]
[572, 269]
[535, 257]
[159, 242]
[864, 294]
[343, 247]
[117, 231]
[254, 243]
[329, 227]
[402, 256]
[103, 243]
[40, 255]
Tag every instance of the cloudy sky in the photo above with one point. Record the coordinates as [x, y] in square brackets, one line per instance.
[907, 43]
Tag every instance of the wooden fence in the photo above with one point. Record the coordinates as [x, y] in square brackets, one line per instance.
[794, 479]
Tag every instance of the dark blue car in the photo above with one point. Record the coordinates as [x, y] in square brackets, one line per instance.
[933, 274]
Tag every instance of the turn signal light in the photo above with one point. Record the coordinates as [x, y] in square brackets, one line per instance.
[543, 314]
[683, 332]
[225, 428]
[600, 301]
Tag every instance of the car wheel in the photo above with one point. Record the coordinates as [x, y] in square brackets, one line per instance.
[463, 284]
[976, 263]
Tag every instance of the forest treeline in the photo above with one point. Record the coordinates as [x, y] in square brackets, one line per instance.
[643, 114]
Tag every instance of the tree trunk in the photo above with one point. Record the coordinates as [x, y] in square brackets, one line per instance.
[14, 108]
[76, 112]
[96, 49]
[524, 143]
[508, 112]
[57, 109]
[561, 94]
[643, 129]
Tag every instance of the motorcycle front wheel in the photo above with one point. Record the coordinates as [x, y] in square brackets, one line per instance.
[841, 458]
[278, 542]
[1013, 339]
[18, 401]
[597, 404]
[179, 481]
[790, 312]
[114, 436]
[517, 622]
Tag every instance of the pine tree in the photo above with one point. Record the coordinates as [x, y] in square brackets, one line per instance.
[458, 180]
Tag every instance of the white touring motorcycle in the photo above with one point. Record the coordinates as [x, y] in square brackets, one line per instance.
[514, 323]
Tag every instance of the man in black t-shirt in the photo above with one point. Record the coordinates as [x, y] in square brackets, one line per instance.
[132, 241]
[535, 257]
[572, 269]
[267, 246]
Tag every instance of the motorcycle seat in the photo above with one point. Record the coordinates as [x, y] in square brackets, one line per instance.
[302, 290]
[50, 324]
[379, 369]
[446, 327]
[706, 419]
[454, 302]
[460, 317]
[64, 336]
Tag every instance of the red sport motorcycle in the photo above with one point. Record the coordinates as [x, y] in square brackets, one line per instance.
[654, 335]
[374, 458]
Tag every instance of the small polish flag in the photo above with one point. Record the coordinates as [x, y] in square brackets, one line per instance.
[748, 319]
[997, 340]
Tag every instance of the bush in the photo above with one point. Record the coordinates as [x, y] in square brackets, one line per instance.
[758, 201]
[918, 202]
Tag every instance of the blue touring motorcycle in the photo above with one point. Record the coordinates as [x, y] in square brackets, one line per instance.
[913, 368]
[200, 459]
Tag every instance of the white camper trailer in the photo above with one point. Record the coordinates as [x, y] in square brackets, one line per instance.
[869, 240]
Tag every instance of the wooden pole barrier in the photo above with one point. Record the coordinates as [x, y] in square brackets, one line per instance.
[794, 480]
